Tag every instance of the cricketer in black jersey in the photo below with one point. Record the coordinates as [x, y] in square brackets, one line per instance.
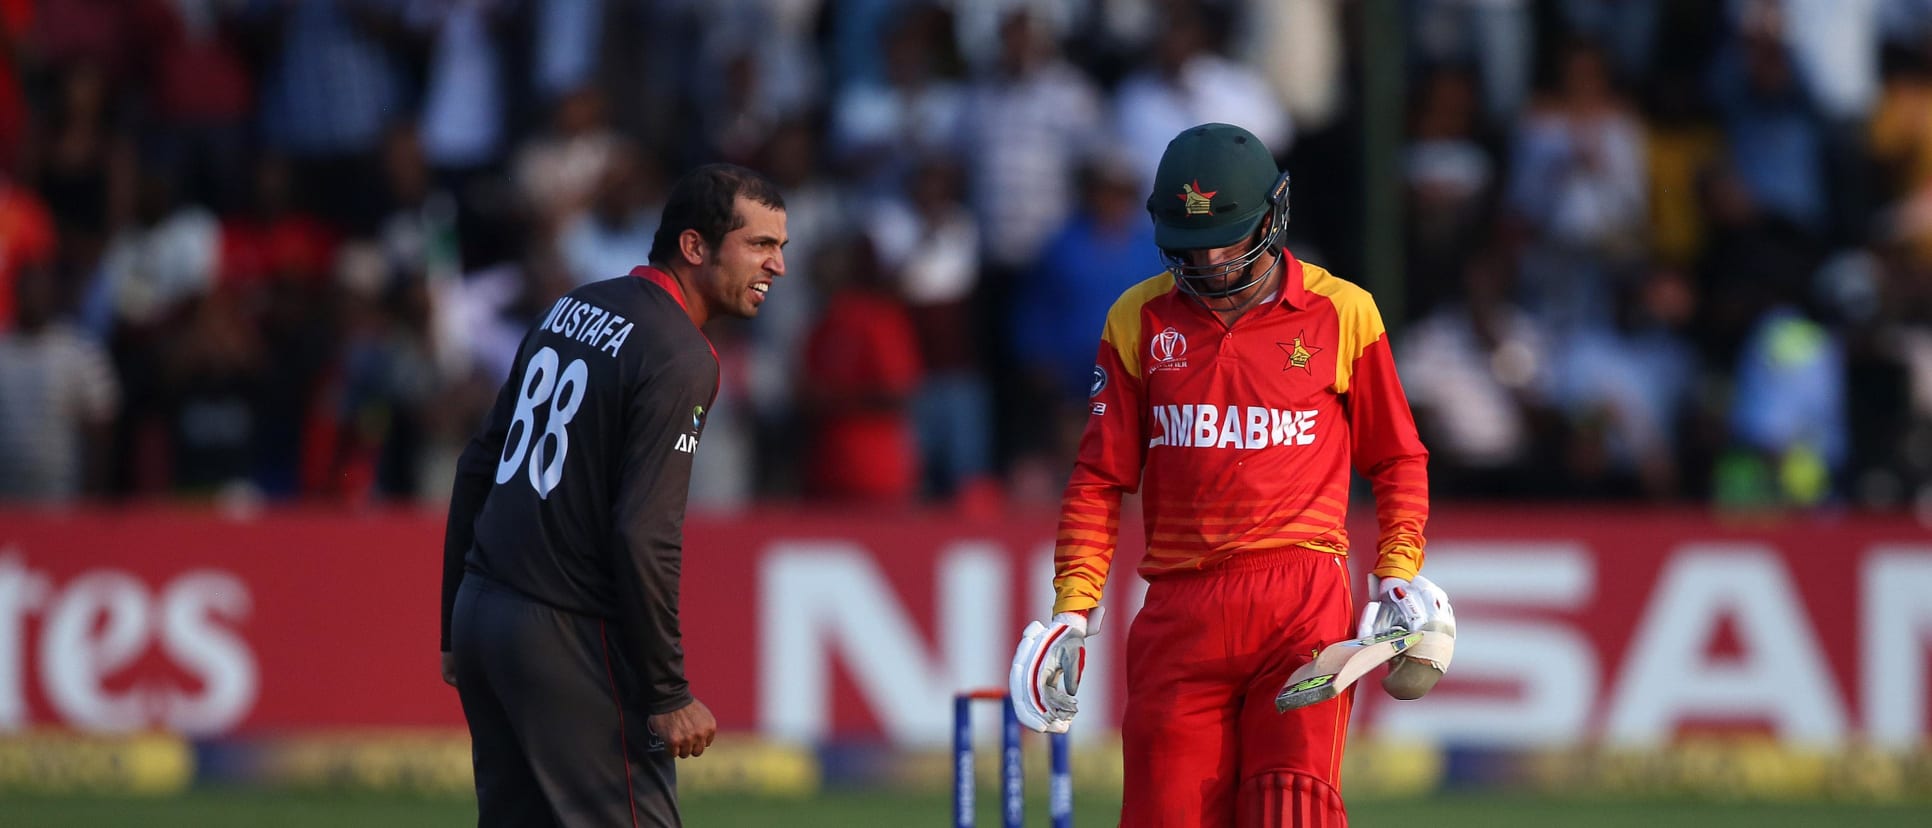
[565, 536]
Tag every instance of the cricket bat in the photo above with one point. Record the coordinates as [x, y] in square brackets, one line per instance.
[1338, 665]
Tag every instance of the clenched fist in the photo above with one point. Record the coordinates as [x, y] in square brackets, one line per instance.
[686, 731]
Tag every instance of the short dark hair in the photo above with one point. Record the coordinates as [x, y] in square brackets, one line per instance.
[705, 200]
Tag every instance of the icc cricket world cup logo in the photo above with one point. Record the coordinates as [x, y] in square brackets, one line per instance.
[1167, 346]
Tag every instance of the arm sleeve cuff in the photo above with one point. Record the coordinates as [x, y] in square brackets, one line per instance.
[672, 704]
[1074, 603]
[1398, 562]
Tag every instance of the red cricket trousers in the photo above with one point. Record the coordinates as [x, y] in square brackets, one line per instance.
[1202, 743]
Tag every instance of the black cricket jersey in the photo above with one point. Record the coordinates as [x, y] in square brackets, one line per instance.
[573, 494]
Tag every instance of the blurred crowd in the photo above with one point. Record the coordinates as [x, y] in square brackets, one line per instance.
[284, 249]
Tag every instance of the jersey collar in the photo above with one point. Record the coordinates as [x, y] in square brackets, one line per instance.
[670, 286]
[1293, 292]
[663, 280]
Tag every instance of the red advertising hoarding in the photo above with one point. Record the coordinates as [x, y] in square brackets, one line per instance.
[1576, 625]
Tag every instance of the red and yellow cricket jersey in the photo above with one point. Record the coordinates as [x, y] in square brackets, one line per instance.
[1241, 437]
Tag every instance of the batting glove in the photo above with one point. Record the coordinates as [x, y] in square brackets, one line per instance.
[1406, 601]
[1046, 670]
[1418, 607]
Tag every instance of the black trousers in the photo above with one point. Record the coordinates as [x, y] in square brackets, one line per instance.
[556, 734]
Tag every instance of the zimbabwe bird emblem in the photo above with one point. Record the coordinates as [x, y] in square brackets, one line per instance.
[1196, 201]
[1299, 354]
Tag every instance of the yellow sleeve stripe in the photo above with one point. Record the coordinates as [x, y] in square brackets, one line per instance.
[1123, 321]
[1077, 535]
[1358, 323]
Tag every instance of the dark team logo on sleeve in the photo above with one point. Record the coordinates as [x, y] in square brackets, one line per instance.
[1099, 383]
[688, 442]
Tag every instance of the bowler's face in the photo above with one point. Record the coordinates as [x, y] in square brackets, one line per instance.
[749, 259]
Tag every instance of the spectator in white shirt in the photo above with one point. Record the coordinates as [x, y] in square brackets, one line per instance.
[1188, 83]
[1027, 126]
[614, 235]
[58, 399]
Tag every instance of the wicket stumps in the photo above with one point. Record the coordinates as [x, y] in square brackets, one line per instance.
[1012, 766]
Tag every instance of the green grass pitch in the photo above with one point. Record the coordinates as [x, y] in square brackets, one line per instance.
[237, 808]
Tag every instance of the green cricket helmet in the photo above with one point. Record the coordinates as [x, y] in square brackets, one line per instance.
[1217, 186]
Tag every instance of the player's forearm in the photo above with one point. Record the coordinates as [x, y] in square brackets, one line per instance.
[1083, 548]
[660, 662]
[1388, 452]
[466, 500]
[1397, 467]
[1401, 486]
[648, 614]
[475, 473]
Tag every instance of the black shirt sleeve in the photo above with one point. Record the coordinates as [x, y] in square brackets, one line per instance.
[475, 473]
[665, 417]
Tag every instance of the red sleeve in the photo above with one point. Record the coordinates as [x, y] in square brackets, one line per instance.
[1387, 451]
[1112, 449]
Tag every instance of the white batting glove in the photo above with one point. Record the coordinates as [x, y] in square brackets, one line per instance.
[1406, 601]
[1417, 607]
[1046, 670]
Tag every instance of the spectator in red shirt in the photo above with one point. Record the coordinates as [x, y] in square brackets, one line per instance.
[861, 368]
[26, 237]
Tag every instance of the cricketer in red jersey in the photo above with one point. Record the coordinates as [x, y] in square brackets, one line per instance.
[1235, 391]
